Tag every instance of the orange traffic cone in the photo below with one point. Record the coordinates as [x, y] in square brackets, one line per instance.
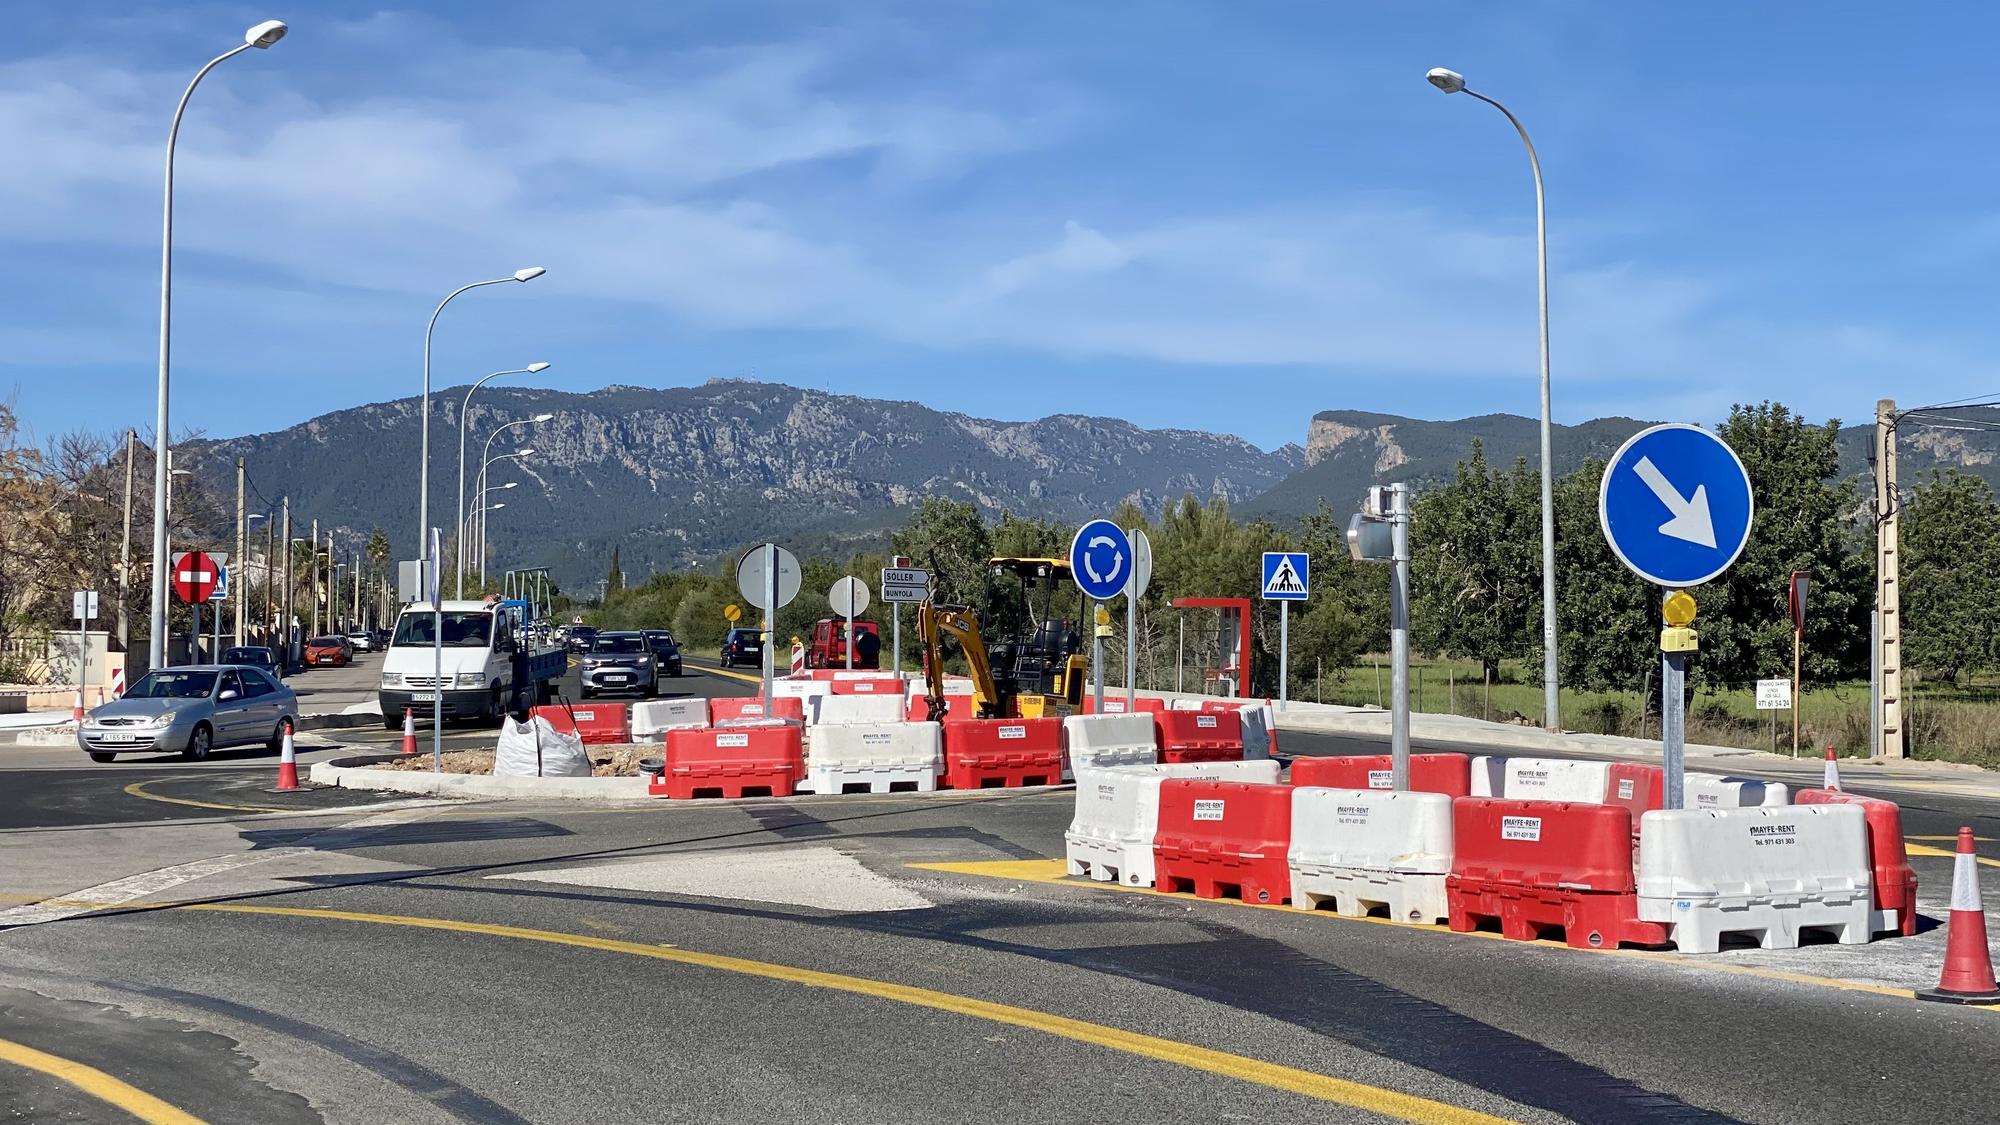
[76, 709]
[1832, 780]
[409, 731]
[1968, 964]
[100, 697]
[288, 763]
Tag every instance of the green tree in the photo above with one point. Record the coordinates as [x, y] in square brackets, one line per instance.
[1950, 574]
[948, 538]
[1608, 617]
[1475, 573]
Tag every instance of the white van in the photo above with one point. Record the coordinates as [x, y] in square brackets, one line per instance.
[487, 664]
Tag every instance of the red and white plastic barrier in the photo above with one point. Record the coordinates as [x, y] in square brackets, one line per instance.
[653, 718]
[1893, 879]
[1097, 741]
[834, 709]
[1110, 837]
[597, 724]
[1221, 836]
[726, 709]
[1449, 774]
[1363, 849]
[875, 757]
[873, 683]
[1199, 736]
[1002, 753]
[751, 762]
[1538, 865]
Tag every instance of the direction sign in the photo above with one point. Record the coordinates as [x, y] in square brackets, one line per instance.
[750, 576]
[194, 577]
[1774, 695]
[1286, 575]
[905, 584]
[848, 597]
[1100, 559]
[1675, 505]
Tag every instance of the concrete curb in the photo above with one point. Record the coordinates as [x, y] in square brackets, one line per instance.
[337, 721]
[353, 773]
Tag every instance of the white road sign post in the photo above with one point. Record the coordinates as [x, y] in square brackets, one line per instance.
[902, 583]
[1142, 577]
[84, 602]
[768, 578]
[848, 598]
[1287, 577]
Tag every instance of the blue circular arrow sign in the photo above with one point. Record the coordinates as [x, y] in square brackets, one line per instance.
[1100, 559]
[1675, 505]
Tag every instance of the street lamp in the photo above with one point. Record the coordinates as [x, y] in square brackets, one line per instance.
[518, 454]
[1451, 82]
[260, 36]
[463, 413]
[424, 442]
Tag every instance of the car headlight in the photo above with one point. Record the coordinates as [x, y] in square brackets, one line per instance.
[163, 719]
[471, 679]
[392, 679]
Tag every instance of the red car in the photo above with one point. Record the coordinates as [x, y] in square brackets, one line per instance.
[329, 652]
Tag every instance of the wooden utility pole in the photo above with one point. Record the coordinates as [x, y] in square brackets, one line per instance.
[239, 581]
[1888, 589]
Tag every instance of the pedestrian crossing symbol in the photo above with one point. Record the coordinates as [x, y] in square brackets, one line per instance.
[1286, 575]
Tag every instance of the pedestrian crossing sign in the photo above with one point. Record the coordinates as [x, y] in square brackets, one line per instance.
[1286, 575]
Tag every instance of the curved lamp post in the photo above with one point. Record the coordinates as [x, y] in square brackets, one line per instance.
[464, 408]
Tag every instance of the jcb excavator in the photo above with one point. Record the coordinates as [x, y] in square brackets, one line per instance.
[1025, 661]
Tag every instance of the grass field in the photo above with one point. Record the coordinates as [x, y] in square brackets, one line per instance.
[1945, 722]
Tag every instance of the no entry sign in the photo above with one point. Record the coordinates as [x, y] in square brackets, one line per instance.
[195, 575]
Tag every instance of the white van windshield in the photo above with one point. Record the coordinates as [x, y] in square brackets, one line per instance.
[461, 630]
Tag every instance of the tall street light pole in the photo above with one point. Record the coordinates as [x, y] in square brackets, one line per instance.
[518, 454]
[1451, 82]
[463, 413]
[424, 442]
[485, 459]
[260, 36]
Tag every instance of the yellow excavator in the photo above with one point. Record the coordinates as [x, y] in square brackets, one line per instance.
[1026, 661]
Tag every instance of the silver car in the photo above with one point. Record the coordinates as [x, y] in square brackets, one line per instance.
[192, 709]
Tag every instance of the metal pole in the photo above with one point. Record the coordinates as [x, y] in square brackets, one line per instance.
[770, 619]
[356, 623]
[850, 630]
[1131, 654]
[157, 641]
[194, 633]
[1551, 713]
[1673, 724]
[285, 606]
[242, 553]
[1399, 636]
[314, 578]
[270, 587]
[435, 576]
[1284, 653]
[1180, 657]
[1097, 655]
[125, 550]
[896, 631]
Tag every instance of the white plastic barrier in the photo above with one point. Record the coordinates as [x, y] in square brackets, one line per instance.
[1260, 731]
[879, 756]
[1489, 775]
[1365, 848]
[1556, 779]
[807, 690]
[1110, 838]
[1095, 741]
[655, 717]
[1767, 872]
[824, 709]
[1183, 704]
[1713, 791]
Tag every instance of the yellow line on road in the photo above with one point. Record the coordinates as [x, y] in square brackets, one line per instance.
[1053, 873]
[1926, 849]
[130, 1099]
[748, 679]
[1373, 1099]
[138, 789]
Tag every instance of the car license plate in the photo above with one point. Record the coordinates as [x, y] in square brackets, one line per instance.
[117, 737]
[429, 697]
[616, 678]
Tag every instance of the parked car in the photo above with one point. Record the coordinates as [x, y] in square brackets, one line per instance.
[620, 662]
[262, 659]
[192, 709]
[666, 654]
[361, 640]
[334, 651]
[579, 638]
[743, 646]
[829, 648]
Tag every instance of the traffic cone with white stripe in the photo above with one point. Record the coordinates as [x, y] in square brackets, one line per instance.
[100, 697]
[288, 763]
[1832, 778]
[1968, 963]
[76, 709]
[409, 731]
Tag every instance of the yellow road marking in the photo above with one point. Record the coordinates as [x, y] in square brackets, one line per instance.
[1358, 1095]
[746, 678]
[1951, 839]
[138, 789]
[130, 1099]
[1926, 849]
[1054, 873]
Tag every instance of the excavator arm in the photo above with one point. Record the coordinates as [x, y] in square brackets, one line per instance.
[933, 623]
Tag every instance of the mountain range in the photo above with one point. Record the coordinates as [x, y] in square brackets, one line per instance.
[673, 476]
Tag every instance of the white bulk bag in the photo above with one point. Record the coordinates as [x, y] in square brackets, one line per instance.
[537, 749]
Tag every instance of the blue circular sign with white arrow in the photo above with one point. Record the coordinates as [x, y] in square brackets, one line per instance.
[1100, 558]
[1675, 505]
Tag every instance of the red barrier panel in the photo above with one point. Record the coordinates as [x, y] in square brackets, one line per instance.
[596, 723]
[873, 685]
[748, 762]
[724, 708]
[1198, 736]
[1214, 835]
[1537, 865]
[1895, 879]
[1002, 753]
[1636, 788]
[1450, 774]
[1115, 705]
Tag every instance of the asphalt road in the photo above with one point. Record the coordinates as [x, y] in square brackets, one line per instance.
[785, 961]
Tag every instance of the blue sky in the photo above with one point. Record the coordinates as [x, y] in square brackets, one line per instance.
[1207, 215]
